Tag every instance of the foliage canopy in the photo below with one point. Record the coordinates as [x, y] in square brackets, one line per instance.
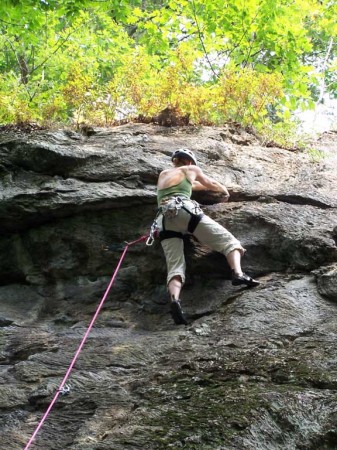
[99, 60]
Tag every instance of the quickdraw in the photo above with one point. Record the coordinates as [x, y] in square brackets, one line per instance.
[65, 390]
[154, 232]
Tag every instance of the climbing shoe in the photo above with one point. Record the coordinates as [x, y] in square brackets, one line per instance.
[243, 279]
[177, 313]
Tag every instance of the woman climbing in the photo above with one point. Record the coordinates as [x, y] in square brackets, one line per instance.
[181, 215]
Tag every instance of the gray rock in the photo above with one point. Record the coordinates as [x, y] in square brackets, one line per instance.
[254, 369]
[327, 281]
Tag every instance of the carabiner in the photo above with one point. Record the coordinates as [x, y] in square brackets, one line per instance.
[149, 240]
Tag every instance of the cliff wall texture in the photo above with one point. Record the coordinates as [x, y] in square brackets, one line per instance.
[254, 369]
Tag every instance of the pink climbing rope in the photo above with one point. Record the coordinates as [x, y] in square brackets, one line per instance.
[61, 387]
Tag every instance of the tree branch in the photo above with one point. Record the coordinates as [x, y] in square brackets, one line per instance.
[10, 23]
[202, 42]
[57, 48]
[324, 66]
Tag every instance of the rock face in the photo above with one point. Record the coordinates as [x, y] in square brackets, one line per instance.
[254, 369]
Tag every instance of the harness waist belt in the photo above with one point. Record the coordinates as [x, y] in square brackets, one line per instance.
[179, 197]
[170, 207]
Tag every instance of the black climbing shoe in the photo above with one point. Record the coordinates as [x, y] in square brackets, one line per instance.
[177, 313]
[243, 279]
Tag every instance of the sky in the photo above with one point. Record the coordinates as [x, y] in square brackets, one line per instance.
[323, 118]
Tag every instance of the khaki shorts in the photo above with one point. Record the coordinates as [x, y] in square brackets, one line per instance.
[208, 232]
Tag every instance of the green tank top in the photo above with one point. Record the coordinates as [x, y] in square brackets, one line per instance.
[183, 188]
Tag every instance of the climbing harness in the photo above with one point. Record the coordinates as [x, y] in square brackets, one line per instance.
[170, 209]
[64, 388]
[169, 234]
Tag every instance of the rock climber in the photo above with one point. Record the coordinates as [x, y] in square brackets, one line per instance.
[179, 215]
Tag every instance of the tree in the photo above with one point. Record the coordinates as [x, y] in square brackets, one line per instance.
[84, 59]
